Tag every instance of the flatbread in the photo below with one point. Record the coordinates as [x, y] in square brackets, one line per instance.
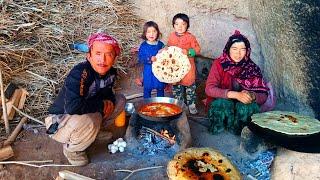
[201, 163]
[289, 123]
[171, 65]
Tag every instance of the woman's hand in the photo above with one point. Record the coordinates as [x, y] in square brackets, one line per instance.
[243, 96]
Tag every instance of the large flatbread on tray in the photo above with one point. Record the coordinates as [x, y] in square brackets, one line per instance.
[201, 163]
[289, 123]
[171, 65]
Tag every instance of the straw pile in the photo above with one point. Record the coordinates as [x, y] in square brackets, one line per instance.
[34, 38]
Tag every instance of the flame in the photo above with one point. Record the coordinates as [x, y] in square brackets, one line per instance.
[165, 133]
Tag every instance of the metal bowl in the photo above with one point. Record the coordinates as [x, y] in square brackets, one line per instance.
[169, 100]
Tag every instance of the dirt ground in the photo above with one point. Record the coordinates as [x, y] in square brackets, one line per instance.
[34, 144]
[38, 146]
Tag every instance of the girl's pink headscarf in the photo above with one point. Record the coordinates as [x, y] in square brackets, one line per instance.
[106, 39]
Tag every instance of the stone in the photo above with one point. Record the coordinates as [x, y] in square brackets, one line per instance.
[289, 35]
[295, 165]
[252, 144]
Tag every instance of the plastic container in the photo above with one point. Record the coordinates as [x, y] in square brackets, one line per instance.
[120, 121]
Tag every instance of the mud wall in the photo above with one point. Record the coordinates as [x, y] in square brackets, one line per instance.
[289, 34]
[211, 21]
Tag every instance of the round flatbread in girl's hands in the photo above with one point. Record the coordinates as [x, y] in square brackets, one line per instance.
[171, 65]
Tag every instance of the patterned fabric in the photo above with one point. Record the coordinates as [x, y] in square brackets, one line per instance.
[178, 93]
[106, 39]
[146, 51]
[229, 114]
[246, 73]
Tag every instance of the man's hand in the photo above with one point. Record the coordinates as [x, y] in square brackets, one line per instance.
[108, 108]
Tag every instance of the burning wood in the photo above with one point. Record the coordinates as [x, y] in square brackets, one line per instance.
[164, 134]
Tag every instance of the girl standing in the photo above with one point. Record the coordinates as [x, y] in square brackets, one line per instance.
[185, 40]
[147, 51]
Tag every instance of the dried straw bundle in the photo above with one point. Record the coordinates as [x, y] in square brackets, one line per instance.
[34, 38]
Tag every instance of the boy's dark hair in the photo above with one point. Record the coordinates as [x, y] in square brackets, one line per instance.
[145, 28]
[182, 16]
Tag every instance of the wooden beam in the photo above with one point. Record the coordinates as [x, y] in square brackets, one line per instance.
[15, 132]
[14, 101]
[23, 98]
[68, 175]
[4, 107]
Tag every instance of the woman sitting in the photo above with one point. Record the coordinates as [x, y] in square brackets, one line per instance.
[235, 87]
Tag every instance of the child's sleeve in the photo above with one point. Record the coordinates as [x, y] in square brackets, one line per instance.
[141, 55]
[195, 45]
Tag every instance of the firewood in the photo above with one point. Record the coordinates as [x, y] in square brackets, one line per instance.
[14, 100]
[9, 90]
[6, 153]
[68, 175]
[15, 132]
[23, 98]
[4, 107]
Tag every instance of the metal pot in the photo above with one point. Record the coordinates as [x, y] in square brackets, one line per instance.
[139, 104]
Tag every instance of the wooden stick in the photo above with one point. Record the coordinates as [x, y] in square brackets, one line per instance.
[37, 166]
[41, 77]
[65, 174]
[26, 115]
[4, 107]
[15, 132]
[6, 153]
[171, 141]
[134, 171]
[42, 161]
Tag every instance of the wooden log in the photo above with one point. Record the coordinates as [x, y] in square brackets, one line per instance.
[15, 132]
[14, 100]
[6, 153]
[23, 98]
[3, 100]
[68, 175]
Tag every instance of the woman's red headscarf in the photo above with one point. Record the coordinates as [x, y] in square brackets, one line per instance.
[246, 72]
